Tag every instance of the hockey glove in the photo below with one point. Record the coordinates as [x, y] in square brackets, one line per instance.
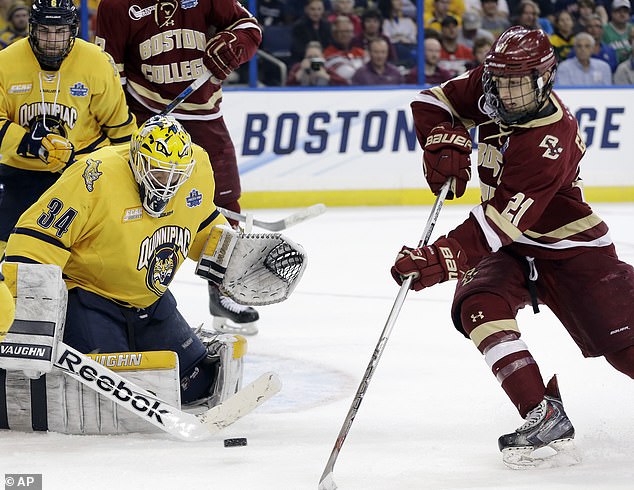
[430, 265]
[224, 51]
[447, 153]
[57, 152]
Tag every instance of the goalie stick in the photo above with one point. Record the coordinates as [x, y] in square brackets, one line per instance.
[291, 220]
[326, 482]
[185, 426]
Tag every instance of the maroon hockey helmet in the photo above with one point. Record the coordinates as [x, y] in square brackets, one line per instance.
[519, 52]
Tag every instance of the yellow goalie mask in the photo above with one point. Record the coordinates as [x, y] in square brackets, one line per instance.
[162, 160]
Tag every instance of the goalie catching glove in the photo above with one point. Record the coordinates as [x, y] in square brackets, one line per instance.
[436, 263]
[252, 269]
[447, 153]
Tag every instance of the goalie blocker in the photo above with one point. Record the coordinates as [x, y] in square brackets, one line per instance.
[252, 269]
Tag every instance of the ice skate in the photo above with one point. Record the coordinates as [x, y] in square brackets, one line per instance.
[546, 438]
[231, 317]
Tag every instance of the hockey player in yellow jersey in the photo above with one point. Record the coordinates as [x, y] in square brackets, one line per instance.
[120, 223]
[60, 98]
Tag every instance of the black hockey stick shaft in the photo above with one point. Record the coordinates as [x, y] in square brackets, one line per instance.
[326, 482]
[195, 85]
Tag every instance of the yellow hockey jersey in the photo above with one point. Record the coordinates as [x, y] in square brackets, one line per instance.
[92, 224]
[83, 101]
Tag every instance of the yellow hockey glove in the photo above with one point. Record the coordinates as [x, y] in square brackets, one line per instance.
[57, 152]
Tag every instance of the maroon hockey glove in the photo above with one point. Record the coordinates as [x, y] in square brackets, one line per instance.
[430, 265]
[447, 153]
[223, 54]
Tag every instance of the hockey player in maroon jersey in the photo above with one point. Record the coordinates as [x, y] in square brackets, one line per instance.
[532, 240]
[160, 47]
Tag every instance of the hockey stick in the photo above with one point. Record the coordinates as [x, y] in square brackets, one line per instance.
[144, 404]
[327, 482]
[291, 220]
[195, 85]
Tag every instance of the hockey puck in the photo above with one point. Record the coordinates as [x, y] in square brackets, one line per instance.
[236, 441]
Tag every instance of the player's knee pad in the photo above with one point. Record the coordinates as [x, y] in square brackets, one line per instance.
[219, 374]
[623, 360]
[488, 320]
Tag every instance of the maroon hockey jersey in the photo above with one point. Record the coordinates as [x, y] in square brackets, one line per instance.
[158, 47]
[532, 198]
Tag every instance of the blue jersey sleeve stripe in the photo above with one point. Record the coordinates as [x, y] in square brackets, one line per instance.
[40, 236]
[212, 217]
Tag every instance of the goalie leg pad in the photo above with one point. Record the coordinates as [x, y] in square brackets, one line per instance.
[40, 312]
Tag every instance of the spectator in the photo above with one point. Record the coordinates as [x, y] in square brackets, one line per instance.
[312, 71]
[271, 12]
[616, 33]
[372, 25]
[493, 20]
[481, 47]
[624, 74]
[453, 55]
[583, 69]
[434, 74]
[400, 30]
[378, 71]
[528, 15]
[311, 27]
[562, 39]
[601, 50]
[585, 9]
[4, 7]
[346, 8]
[17, 24]
[341, 56]
[437, 10]
[476, 5]
[471, 29]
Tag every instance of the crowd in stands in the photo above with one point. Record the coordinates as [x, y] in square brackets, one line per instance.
[375, 42]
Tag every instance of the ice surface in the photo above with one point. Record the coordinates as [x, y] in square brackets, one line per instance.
[432, 413]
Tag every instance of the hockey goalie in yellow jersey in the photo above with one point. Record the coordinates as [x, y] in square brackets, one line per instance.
[120, 223]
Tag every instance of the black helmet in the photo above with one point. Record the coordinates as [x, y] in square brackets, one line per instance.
[51, 49]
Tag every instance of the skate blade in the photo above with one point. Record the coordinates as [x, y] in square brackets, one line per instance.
[555, 455]
[224, 325]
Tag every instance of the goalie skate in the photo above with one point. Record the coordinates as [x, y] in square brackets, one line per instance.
[546, 438]
[231, 317]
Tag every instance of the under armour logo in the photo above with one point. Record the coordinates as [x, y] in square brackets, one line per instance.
[552, 149]
[475, 318]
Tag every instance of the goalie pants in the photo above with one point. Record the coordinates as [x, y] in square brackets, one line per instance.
[591, 294]
[214, 137]
[95, 324]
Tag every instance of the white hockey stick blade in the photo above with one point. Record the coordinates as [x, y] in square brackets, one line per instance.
[280, 225]
[147, 406]
[243, 402]
[327, 482]
[557, 454]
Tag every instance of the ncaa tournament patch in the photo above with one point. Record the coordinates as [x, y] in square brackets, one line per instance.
[194, 199]
[78, 90]
[188, 4]
[132, 214]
